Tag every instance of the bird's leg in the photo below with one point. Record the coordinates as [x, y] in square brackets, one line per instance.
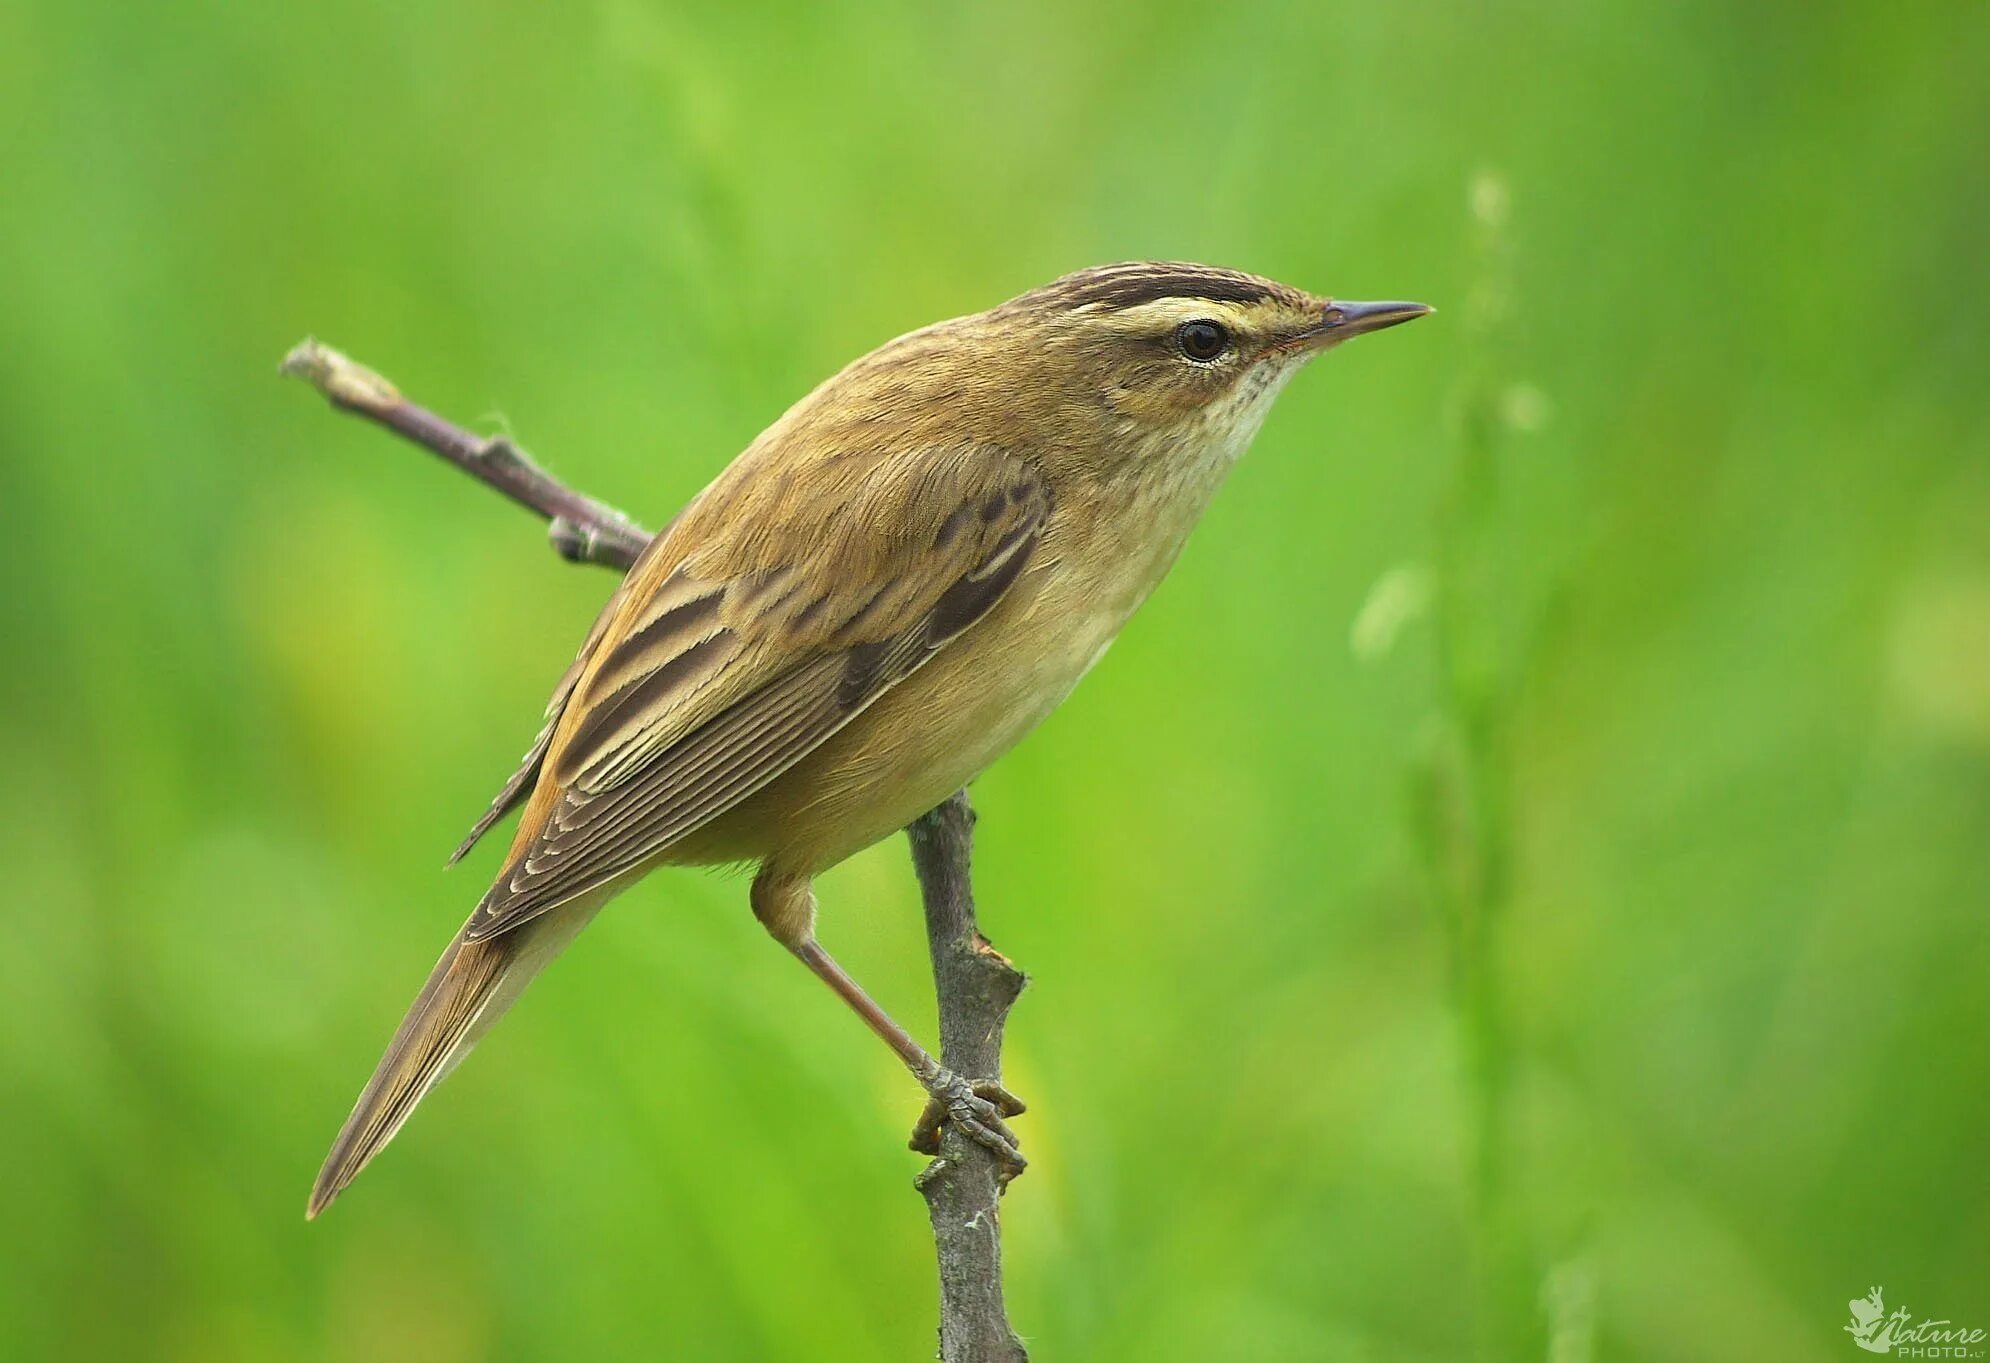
[787, 909]
[976, 1106]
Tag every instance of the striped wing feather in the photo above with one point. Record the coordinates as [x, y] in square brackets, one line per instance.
[723, 665]
[519, 785]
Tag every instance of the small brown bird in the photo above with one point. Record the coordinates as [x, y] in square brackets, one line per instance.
[892, 585]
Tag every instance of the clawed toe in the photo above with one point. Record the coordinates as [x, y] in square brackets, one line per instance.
[976, 1107]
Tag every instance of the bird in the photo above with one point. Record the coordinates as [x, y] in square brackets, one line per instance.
[885, 591]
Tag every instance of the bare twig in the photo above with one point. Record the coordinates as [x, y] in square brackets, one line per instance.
[975, 984]
[582, 530]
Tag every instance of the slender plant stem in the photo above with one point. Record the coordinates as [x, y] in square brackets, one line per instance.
[975, 985]
[1464, 802]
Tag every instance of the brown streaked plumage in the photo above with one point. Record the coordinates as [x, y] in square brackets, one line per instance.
[887, 589]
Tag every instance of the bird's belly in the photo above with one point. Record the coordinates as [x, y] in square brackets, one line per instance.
[929, 735]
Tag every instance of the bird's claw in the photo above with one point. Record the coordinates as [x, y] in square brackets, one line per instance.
[976, 1108]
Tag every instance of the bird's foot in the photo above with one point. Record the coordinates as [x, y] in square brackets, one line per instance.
[976, 1107]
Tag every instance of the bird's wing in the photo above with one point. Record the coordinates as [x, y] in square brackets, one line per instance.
[519, 785]
[777, 610]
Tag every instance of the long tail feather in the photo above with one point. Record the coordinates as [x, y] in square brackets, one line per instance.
[469, 989]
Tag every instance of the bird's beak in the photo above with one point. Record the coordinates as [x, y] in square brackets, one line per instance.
[1343, 320]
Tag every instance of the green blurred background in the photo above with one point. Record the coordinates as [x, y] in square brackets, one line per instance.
[1518, 892]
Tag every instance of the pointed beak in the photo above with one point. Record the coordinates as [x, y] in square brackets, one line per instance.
[1343, 320]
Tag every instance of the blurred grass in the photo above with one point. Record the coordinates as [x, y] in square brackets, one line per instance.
[1666, 540]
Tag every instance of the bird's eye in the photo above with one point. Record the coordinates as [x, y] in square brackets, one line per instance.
[1202, 339]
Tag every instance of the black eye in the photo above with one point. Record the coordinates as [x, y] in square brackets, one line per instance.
[1202, 340]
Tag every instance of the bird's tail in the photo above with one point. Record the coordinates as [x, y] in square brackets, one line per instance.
[469, 989]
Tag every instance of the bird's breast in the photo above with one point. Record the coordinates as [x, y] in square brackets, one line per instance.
[945, 724]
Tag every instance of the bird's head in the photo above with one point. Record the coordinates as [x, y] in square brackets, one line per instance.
[1172, 352]
[1120, 367]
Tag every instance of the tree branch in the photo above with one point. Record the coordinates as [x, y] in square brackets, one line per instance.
[963, 1187]
[974, 983]
[582, 530]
